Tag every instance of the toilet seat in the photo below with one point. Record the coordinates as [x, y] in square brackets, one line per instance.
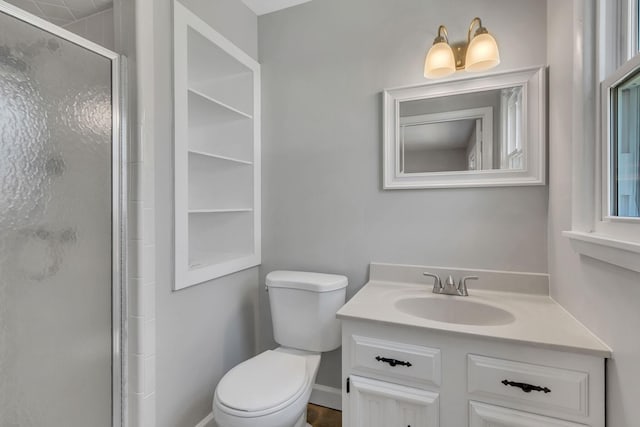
[263, 384]
[290, 413]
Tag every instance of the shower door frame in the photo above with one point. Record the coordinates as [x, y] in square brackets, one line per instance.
[119, 236]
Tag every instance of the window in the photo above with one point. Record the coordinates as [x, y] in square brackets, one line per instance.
[606, 210]
[511, 106]
[625, 148]
[620, 111]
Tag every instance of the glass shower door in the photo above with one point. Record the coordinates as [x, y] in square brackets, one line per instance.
[58, 248]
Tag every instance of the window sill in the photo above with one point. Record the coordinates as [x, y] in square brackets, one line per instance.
[618, 252]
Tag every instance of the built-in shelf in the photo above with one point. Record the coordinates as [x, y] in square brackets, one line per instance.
[211, 56]
[216, 211]
[235, 91]
[216, 156]
[217, 183]
[204, 260]
[205, 111]
[223, 139]
[216, 152]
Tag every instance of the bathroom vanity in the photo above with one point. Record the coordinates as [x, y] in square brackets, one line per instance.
[507, 355]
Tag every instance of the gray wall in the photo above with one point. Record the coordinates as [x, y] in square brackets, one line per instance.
[205, 330]
[605, 298]
[324, 66]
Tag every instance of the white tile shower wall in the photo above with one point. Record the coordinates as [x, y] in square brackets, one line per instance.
[142, 320]
[132, 38]
[99, 28]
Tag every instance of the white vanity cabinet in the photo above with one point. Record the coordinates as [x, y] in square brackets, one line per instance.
[402, 376]
[483, 415]
[382, 404]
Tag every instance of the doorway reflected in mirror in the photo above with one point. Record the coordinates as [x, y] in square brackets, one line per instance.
[437, 135]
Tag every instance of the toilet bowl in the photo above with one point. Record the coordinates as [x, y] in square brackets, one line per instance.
[269, 390]
[273, 388]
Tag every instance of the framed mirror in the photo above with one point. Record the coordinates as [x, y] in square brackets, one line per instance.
[486, 131]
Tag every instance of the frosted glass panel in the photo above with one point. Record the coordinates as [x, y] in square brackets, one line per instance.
[55, 231]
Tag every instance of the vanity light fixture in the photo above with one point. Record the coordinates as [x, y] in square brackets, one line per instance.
[478, 53]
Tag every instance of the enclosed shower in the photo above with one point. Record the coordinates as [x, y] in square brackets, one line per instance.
[61, 227]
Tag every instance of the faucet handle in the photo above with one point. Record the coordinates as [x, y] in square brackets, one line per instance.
[450, 282]
[437, 283]
[462, 286]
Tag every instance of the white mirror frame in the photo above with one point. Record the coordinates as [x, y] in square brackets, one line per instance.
[534, 84]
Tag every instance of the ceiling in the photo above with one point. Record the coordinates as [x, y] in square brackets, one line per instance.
[439, 136]
[262, 7]
[62, 12]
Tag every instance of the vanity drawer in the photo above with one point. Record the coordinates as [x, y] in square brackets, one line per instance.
[481, 415]
[389, 359]
[543, 387]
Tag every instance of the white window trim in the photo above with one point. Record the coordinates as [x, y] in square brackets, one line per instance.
[607, 224]
[594, 233]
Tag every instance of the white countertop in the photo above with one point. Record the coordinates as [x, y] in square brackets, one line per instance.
[539, 320]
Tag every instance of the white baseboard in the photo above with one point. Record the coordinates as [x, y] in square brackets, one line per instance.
[329, 397]
[207, 421]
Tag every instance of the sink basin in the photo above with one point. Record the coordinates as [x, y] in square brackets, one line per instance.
[454, 310]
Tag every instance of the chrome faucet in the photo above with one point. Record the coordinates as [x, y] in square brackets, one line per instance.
[437, 283]
[449, 287]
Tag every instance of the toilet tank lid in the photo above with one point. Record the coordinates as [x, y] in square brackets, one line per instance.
[314, 282]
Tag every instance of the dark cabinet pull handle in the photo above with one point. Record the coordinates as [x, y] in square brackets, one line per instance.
[527, 388]
[393, 362]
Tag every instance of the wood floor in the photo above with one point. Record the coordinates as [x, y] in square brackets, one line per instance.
[319, 416]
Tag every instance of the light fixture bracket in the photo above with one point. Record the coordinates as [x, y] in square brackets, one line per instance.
[480, 30]
[460, 54]
[443, 35]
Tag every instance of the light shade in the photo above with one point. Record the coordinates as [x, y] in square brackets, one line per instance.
[440, 61]
[482, 53]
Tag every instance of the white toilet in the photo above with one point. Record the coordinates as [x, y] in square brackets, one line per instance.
[272, 389]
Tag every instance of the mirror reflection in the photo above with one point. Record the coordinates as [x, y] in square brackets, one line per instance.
[466, 132]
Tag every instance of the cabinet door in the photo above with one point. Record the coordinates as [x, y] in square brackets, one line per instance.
[483, 415]
[380, 404]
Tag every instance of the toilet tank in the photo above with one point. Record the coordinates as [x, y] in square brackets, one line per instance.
[303, 309]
